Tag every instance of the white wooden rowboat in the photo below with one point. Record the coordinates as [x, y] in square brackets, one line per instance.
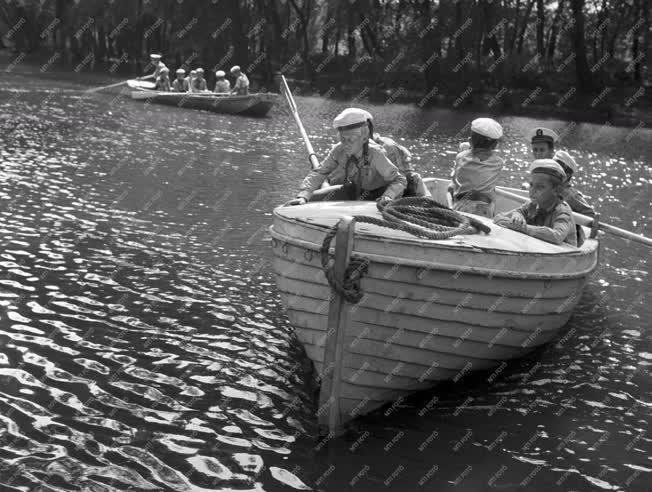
[432, 310]
[257, 104]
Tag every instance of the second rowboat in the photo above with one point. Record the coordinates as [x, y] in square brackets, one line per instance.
[257, 104]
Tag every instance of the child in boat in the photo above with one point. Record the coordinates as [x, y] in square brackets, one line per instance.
[200, 81]
[222, 85]
[190, 79]
[180, 84]
[477, 170]
[573, 197]
[360, 167]
[163, 80]
[155, 60]
[542, 143]
[241, 85]
[397, 155]
[546, 216]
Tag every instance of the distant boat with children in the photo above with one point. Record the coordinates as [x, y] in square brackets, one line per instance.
[257, 104]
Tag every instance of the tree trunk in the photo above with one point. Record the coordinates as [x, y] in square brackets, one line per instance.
[584, 81]
[625, 13]
[540, 25]
[351, 41]
[509, 47]
[338, 33]
[554, 33]
[521, 36]
[239, 38]
[647, 43]
[304, 20]
[431, 45]
[594, 38]
[636, 41]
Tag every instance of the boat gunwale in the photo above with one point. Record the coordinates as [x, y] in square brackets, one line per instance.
[208, 95]
[457, 268]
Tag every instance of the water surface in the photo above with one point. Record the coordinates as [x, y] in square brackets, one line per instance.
[144, 347]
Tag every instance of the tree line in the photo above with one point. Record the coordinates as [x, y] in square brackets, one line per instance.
[418, 45]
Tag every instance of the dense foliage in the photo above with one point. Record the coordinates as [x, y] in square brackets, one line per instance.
[435, 46]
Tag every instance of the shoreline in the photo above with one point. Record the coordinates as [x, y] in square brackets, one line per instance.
[504, 102]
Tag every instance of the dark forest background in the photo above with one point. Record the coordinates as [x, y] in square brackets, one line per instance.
[557, 51]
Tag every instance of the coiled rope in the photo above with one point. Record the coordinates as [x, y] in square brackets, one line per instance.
[420, 216]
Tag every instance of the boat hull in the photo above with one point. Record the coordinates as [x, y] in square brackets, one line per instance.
[431, 310]
[250, 105]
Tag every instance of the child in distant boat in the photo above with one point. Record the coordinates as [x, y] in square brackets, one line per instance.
[222, 85]
[241, 85]
[546, 216]
[163, 80]
[477, 169]
[200, 81]
[190, 79]
[155, 60]
[180, 84]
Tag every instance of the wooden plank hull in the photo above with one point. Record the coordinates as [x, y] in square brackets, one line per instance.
[249, 105]
[431, 310]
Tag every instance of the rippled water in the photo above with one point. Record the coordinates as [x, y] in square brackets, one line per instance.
[143, 344]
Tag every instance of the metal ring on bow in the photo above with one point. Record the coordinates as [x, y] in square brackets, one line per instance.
[284, 248]
[307, 254]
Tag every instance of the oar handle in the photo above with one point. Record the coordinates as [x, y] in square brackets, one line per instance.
[587, 221]
[96, 89]
[314, 162]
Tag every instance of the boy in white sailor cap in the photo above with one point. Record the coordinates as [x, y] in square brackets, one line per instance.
[400, 157]
[163, 80]
[155, 61]
[477, 170]
[573, 197]
[241, 85]
[358, 168]
[180, 84]
[200, 81]
[190, 80]
[222, 85]
[546, 216]
[542, 141]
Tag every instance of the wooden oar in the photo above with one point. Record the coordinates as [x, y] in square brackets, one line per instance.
[314, 162]
[587, 221]
[97, 89]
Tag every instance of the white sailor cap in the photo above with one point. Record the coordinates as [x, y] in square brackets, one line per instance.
[351, 118]
[193, 72]
[180, 71]
[235, 68]
[548, 166]
[220, 73]
[543, 135]
[155, 56]
[487, 127]
[200, 70]
[565, 159]
[164, 70]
